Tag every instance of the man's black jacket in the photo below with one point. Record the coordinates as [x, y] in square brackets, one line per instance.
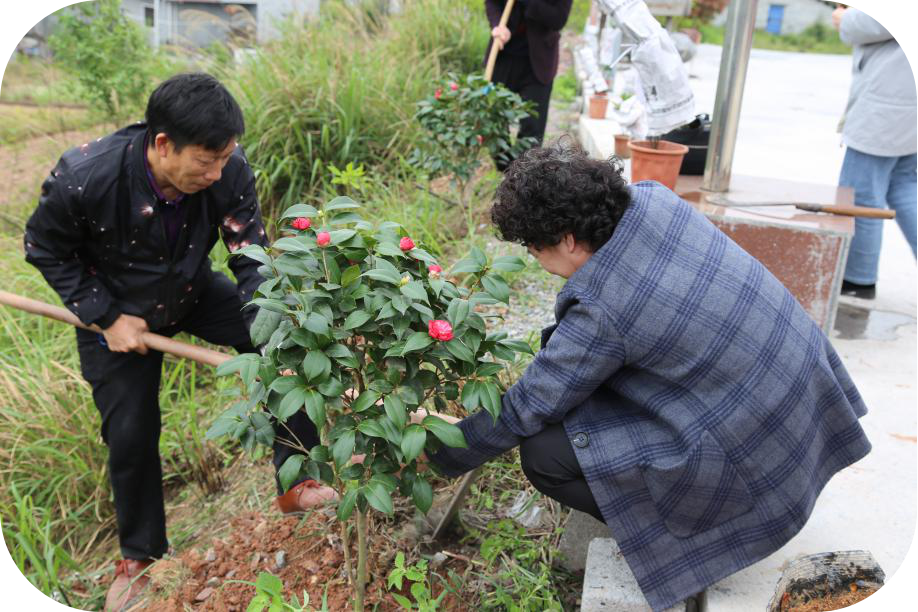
[98, 235]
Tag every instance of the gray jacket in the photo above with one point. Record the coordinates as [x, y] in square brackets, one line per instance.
[705, 407]
[881, 114]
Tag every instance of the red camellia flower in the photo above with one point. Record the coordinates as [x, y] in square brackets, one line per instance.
[437, 94]
[453, 86]
[301, 223]
[480, 139]
[323, 238]
[439, 330]
[434, 270]
[406, 244]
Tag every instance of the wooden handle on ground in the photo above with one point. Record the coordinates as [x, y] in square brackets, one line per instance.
[850, 211]
[153, 341]
[492, 57]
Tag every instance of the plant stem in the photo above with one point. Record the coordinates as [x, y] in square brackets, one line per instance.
[347, 554]
[361, 558]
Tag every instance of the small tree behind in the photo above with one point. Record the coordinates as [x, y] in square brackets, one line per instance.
[107, 53]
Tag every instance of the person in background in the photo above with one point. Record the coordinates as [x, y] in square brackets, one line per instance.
[122, 232]
[879, 129]
[528, 59]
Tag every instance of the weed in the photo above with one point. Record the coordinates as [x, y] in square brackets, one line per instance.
[420, 589]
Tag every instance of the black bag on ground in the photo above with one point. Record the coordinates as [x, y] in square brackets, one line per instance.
[695, 136]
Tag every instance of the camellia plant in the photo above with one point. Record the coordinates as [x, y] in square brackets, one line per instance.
[361, 330]
[463, 117]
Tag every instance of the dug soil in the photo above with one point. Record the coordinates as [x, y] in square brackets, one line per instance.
[311, 559]
[830, 602]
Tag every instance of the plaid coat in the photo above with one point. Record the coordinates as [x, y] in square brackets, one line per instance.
[705, 407]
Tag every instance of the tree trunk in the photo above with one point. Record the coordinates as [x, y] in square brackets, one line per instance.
[361, 559]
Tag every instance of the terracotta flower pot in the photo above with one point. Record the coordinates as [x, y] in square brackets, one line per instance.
[660, 163]
[621, 146]
[598, 105]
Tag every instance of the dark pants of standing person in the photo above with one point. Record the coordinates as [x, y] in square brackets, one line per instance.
[125, 387]
[550, 464]
[515, 71]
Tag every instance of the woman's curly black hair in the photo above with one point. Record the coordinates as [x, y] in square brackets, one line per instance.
[555, 190]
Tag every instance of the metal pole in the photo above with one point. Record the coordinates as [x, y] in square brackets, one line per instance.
[734, 61]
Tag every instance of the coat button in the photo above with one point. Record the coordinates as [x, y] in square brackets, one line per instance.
[581, 440]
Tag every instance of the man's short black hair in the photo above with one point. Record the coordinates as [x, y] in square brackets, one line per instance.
[557, 190]
[194, 109]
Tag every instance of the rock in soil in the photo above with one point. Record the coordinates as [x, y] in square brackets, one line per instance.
[203, 595]
[212, 582]
[210, 556]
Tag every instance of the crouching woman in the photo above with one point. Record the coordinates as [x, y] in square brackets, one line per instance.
[683, 396]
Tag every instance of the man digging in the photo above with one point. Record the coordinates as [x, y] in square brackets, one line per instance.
[122, 232]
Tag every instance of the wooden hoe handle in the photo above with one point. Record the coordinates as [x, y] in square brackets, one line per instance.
[153, 341]
[492, 57]
[850, 211]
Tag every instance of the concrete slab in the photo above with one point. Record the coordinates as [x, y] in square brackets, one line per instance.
[609, 585]
[579, 530]
[787, 129]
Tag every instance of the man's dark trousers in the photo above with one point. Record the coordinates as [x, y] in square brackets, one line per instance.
[515, 71]
[125, 387]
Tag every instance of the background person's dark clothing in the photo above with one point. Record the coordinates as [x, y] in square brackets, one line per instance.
[99, 238]
[125, 387]
[540, 22]
[529, 61]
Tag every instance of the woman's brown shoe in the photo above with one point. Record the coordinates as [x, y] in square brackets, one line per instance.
[305, 496]
[130, 579]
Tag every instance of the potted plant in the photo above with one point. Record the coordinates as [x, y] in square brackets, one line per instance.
[656, 160]
[363, 331]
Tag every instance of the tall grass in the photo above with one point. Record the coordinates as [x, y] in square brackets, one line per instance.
[344, 90]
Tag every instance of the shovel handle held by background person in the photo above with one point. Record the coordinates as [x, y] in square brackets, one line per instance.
[849, 211]
[492, 56]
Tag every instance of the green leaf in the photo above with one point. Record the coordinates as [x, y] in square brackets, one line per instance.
[346, 505]
[478, 256]
[489, 369]
[331, 388]
[517, 345]
[315, 409]
[356, 319]
[292, 402]
[319, 453]
[448, 433]
[350, 275]
[343, 448]
[317, 324]
[256, 252]
[377, 496]
[300, 210]
[417, 341]
[490, 398]
[316, 365]
[413, 441]
[497, 287]
[342, 355]
[460, 351]
[457, 312]
[263, 326]
[366, 399]
[383, 275]
[470, 395]
[389, 249]
[465, 266]
[246, 364]
[396, 410]
[286, 384]
[342, 235]
[340, 203]
[422, 494]
[415, 291]
[271, 304]
[371, 427]
[269, 583]
[508, 263]
[294, 244]
[290, 470]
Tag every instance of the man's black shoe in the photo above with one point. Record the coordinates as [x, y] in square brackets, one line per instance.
[865, 292]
